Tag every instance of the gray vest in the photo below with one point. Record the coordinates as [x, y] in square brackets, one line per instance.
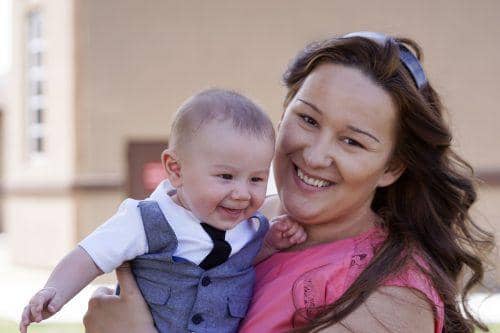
[182, 296]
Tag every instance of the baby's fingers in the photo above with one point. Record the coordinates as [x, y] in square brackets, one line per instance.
[38, 302]
[25, 319]
[54, 305]
[293, 229]
[299, 237]
[35, 308]
[281, 223]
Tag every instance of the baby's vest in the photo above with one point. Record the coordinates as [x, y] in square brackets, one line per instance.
[182, 296]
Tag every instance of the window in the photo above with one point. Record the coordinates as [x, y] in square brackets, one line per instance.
[35, 88]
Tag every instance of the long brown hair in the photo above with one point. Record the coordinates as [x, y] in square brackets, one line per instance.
[426, 211]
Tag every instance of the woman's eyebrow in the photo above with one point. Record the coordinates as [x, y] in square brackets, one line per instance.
[358, 130]
[311, 105]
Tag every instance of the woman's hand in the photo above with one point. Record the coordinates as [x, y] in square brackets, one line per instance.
[128, 312]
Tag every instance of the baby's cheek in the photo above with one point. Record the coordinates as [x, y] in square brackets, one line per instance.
[258, 198]
[203, 207]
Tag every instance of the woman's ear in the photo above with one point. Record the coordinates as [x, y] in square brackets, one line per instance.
[172, 167]
[392, 174]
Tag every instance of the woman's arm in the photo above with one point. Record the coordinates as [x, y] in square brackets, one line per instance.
[389, 309]
[127, 312]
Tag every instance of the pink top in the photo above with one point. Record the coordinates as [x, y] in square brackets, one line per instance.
[319, 275]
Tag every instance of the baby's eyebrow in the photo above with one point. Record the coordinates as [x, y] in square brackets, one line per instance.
[231, 168]
[222, 166]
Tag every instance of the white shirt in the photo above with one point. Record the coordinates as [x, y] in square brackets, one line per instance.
[122, 237]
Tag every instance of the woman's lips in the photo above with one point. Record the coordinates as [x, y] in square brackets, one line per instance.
[309, 183]
[311, 180]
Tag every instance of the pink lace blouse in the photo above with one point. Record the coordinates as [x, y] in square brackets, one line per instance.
[319, 275]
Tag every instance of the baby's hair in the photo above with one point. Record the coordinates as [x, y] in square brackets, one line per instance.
[219, 105]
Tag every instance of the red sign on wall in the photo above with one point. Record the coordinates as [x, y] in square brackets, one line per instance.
[145, 170]
[152, 174]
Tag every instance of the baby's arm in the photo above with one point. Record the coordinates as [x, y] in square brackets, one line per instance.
[283, 233]
[71, 275]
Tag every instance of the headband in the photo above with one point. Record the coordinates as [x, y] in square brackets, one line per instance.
[407, 58]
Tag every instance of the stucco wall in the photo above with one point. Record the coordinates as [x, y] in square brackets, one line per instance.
[118, 69]
[137, 62]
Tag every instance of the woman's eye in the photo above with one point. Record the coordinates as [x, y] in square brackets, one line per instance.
[309, 120]
[352, 142]
[226, 176]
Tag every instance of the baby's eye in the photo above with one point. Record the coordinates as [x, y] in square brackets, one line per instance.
[226, 176]
[352, 142]
[309, 120]
[257, 179]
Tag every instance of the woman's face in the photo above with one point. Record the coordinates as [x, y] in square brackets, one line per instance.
[334, 146]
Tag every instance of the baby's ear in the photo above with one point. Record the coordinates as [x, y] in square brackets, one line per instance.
[172, 167]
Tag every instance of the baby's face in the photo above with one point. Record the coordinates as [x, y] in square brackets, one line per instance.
[224, 174]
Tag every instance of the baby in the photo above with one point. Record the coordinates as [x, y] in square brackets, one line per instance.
[193, 241]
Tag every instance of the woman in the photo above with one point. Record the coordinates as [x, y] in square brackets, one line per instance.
[363, 162]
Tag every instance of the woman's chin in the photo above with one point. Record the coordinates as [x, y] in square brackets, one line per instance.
[299, 210]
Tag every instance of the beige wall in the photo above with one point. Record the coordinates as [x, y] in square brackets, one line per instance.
[131, 63]
[57, 168]
[39, 211]
[138, 62]
[94, 207]
[40, 229]
[487, 213]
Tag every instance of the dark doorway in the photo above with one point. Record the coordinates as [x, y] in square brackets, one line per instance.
[145, 170]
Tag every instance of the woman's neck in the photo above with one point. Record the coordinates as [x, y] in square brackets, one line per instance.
[340, 228]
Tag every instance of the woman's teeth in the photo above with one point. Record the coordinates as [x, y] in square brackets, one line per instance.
[312, 181]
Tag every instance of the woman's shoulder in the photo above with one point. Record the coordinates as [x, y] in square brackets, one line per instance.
[414, 277]
[389, 309]
[271, 207]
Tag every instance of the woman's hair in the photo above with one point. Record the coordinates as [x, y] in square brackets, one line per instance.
[426, 211]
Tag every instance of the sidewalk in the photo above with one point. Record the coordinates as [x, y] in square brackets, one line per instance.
[18, 284]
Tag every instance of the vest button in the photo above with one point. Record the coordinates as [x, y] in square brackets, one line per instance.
[205, 281]
[197, 319]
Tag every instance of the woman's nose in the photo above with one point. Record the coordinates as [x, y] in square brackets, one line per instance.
[319, 155]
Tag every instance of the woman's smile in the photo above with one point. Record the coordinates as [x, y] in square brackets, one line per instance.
[311, 182]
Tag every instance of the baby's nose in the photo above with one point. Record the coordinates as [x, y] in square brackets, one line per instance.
[241, 192]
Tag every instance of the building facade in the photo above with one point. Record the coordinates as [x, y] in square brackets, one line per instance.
[92, 81]
[3, 103]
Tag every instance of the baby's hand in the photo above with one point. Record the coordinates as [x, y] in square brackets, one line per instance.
[41, 306]
[284, 233]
